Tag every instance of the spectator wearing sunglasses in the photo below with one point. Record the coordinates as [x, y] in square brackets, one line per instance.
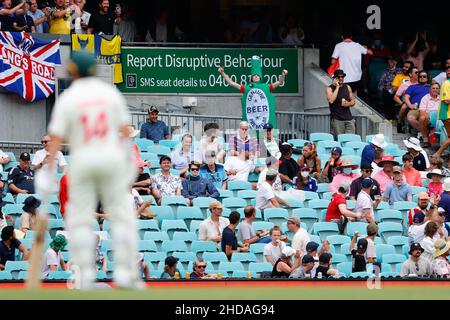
[416, 264]
[42, 157]
[199, 270]
[340, 99]
[400, 96]
[356, 185]
[195, 186]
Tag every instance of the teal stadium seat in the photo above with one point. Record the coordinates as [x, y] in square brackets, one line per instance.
[263, 225]
[389, 229]
[234, 203]
[389, 215]
[297, 143]
[258, 250]
[214, 258]
[159, 150]
[361, 227]
[170, 226]
[308, 216]
[325, 229]
[328, 145]
[320, 136]
[382, 249]
[171, 246]
[344, 268]
[276, 215]
[199, 247]
[398, 242]
[143, 144]
[257, 267]
[147, 246]
[348, 137]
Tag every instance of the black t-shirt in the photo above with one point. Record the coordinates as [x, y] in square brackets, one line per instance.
[22, 179]
[8, 254]
[229, 239]
[323, 270]
[289, 167]
[24, 20]
[356, 187]
[102, 23]
[6, 22]
[338, 112]
[359, 262]
[419, 163]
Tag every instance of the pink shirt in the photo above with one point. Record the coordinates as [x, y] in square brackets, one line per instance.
[429, 104]
[402, 89]
[383, 180]
[435, 188]
[339, 179]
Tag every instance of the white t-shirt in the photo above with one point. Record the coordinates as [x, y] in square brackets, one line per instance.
[363, 201]
[88, 116]
[300, 240]
[440, 78]
[2, 156]
[371, 251]
[428, 245]
[40, 155]
[51, 258]
[242, 167]
[208, 229]
[277, 186]
[274, 251]
[349, 55]
[263, 196]
[136, 199]
[416, 233]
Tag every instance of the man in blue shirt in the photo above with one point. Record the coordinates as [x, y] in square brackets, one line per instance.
[21, 178]
[214, 171]
[413, 96]
[368, 153]
[444, 203]
[195, 186]
[154, 129]
[398, 190]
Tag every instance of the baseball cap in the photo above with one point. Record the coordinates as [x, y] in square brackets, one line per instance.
[268, 126]
[397, 169]
[367, 183]
[294, 220]
[366, 166]
[171, 261]
[419, 217]
[25, 156]
[288, 251]
[362, 245]
[153, 109]
[215, 205]
[325, 257]
[336, 150]
[307, 259]
[345, 186]
[312, 246]
[285, 147]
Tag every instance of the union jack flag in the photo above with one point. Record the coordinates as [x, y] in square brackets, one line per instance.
[27, 65]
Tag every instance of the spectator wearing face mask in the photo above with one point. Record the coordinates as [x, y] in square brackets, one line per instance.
[346, 175]
[303, 180]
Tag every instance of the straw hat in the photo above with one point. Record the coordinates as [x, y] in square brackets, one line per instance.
[347, 163]
[436, 172]
[441, 247]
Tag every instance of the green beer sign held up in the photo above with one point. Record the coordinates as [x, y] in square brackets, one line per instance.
[258, 102]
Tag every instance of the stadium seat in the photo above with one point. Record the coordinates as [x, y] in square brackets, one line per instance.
[360, 275]
[344, 268]
[20, 199]
[225, 194]
[59, 275]
[171, 246]
[319, 205]
[14, 210]
[199, 247]
[55, 225]
[389, 229]
[239, 274]
[195, 224]
[315, 238]
[337, 241]
[163, 213]
[276, 215]
[393, 260]
[185, 258]
[382, 249]
[361, 227]
[213, 258]
[390, 275]
[338, 258]
[146, 225]
[5, 275]
[257, 267]
[143, 144]
[247, 195]
[237, 185]
[328, 145]
[230, 266]
[263, 225]
[325, 229]
[185, 236]
[14, 267]
[154, 258]
[389, 215]
[147, 246]
[346, 151]
[170, 226]
[258, 216]
[159, 150]
[348, 137]
[297, 143]
[244, 258]
[351, 204]
[173, 201]
[308, 216]
[416, 190]
[355, 145]
[327, 196]
[234, 203]
[258, 250]
[189, 213]
[323, 187]
[168, 143]
[157, 236]
[65, 255]
[320, 136]
[10, 165]
[8, 198]
[152, 158]
[203, 204]
[398, 242]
